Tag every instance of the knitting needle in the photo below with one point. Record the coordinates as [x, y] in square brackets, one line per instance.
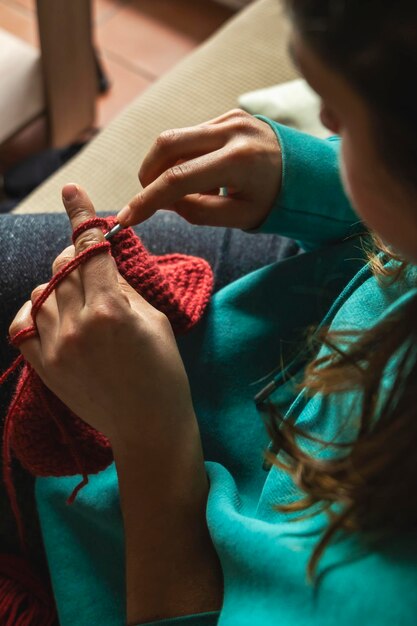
[113, 231]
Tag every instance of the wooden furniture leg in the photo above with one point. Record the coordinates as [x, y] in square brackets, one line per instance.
[69, 70]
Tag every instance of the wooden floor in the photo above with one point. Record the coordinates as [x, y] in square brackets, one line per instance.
[138, 40]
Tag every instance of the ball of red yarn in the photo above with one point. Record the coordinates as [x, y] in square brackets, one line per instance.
[24, 598]
[46, 437]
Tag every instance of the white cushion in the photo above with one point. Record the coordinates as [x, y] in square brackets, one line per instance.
[21, 94]
[293, 103]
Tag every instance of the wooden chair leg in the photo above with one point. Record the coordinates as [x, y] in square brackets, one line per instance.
[69, 67]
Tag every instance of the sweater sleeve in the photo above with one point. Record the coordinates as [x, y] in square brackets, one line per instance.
[312, 206]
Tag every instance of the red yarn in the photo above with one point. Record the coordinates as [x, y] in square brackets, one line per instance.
[94, 222]
[24, 599]
[46, 437]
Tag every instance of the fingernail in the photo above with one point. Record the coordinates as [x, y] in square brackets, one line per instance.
[69, 192]
[124, 215]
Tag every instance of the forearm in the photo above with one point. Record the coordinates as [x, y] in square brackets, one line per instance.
[172, 568]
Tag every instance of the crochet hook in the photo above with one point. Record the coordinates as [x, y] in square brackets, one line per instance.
[113, 231]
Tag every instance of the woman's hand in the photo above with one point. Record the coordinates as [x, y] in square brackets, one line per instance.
[186, 168]
[112, 358]
[103, 350]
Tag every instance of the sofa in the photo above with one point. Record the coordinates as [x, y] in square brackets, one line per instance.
[247, 53]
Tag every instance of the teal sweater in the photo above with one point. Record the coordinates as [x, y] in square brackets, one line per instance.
[251, 326]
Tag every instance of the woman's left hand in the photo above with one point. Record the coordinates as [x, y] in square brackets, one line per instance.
[112, 358]
[109, 355]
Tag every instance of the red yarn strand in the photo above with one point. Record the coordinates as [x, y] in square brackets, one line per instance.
[25, 333]
[7, 461]
[67, 269]
[10, 370]
[99, 222]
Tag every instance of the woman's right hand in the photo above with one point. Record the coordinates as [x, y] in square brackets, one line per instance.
[186, 168]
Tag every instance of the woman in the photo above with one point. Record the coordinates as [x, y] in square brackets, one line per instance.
[243, 561]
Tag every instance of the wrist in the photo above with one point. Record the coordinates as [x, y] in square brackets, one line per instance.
[158, 472]
[163, 499]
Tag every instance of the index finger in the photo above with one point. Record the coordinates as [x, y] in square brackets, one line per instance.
[200, 175]
[179, 144]
[98, 274]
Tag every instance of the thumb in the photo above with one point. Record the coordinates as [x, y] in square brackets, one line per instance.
[99, 274]
[79, 209]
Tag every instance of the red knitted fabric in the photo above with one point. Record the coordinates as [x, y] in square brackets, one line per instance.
[46, 437]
